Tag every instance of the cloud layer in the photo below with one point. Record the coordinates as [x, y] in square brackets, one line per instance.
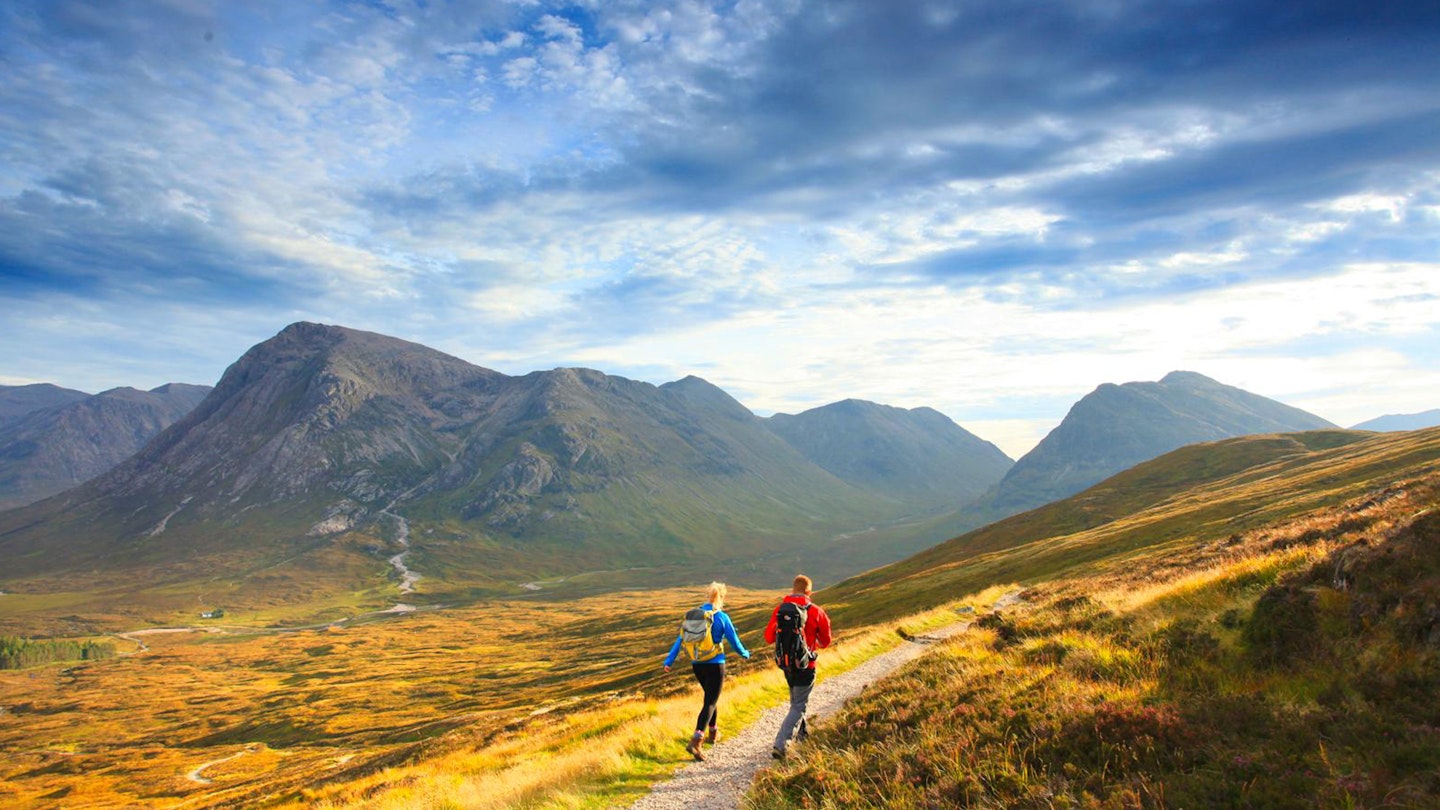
[985, 207]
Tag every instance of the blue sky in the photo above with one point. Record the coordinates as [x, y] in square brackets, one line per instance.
[985, 207]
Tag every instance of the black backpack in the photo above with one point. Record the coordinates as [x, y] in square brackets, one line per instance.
[792, 654]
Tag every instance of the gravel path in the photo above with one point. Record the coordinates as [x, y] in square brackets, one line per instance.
[721, 780]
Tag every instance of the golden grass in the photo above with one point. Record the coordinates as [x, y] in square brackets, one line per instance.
[561, 703]
[604, 756]
[1126, 682]
[508, 703]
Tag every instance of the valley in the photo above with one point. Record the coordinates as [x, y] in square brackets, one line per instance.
[383, 381]
[555, 699]
[363, 573]
[308, 706]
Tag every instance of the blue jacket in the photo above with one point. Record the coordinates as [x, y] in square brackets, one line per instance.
[721, 628]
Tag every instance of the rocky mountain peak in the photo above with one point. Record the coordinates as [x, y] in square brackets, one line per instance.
[1191, 378]
[1118, 426]
[702, 393]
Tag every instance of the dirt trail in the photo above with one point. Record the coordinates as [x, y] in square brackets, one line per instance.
[721, 780]
[197, 775]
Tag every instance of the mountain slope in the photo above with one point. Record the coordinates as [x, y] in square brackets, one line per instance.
[1290, 663]
[918, 456]
[18, 400]
[321, 448]
[1407, 421]
[1118, 426]
[52, 449]
[1199, 493]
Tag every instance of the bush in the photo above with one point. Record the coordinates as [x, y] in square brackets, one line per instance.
[1120, 739]
[1283, 626]
[1006, 633]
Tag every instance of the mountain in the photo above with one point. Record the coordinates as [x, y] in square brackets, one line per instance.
[53, 448]
[1198, 494]
[324, 450]
[18, 400]
[918, 456]
[1409, 421]
[1118, 426]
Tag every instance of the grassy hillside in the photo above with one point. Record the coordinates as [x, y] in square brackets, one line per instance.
[1293, 665]
[1193, 495]
[1160, 661]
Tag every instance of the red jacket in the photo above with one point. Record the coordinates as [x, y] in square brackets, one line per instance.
[817, 624]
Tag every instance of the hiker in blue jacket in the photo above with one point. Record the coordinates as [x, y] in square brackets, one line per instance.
[703, 636]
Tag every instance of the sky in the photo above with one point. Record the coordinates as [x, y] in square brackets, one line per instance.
[987, 207]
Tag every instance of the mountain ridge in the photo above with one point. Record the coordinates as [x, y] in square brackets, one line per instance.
[324, 451]
[1401, 421]
[317, 441]
[49, 450]
[18, 400]
[916, 454]
[1119, 425]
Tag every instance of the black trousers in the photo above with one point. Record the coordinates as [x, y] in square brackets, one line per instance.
[712, 680]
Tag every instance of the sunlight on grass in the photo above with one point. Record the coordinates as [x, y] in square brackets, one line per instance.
[1214, 585]
[1240, 678]
[1151, 641]
[610, 755]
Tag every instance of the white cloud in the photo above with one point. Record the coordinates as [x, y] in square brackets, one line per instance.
[509, 304]
[1391, 204]
[1187, 260]
[555, 27]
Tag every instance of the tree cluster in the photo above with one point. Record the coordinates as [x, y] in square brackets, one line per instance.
[18, 653]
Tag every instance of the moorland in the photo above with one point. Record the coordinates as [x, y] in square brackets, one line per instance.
[1194, 626]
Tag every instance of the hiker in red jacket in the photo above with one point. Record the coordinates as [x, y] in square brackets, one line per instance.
[798, 628]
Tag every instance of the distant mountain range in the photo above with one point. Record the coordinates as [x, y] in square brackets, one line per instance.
[1396, 422]
[917, 455]
[325, 450]
[53, 438]
[318, 445]
[18, 400]
[1116, 427]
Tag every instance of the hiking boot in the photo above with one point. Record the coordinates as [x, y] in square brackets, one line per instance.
[803, 733]
[693, 748]
[711, 737]
[777, 753]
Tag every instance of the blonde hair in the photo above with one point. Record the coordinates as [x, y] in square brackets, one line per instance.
[716, 593]
[803, 584]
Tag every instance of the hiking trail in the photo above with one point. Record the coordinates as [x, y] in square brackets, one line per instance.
[730, 765]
